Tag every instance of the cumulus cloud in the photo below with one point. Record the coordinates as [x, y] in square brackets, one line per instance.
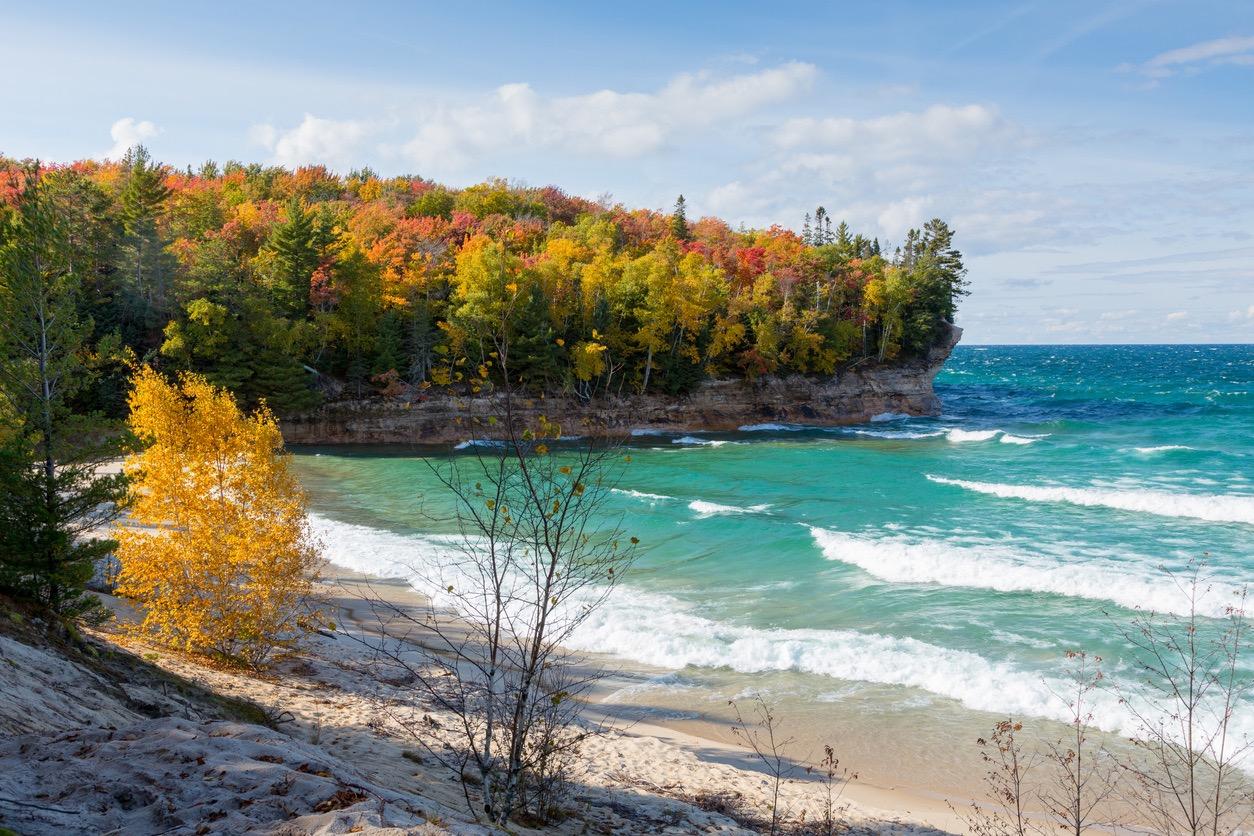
[1230, 50]
[884, 174]
[900, 215]
[606, 122]
[1238, 316]
[328, 141]
[1176, 316]
[939, 129]
[127, 133]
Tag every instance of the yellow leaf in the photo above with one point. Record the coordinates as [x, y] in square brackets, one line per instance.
[222, 559]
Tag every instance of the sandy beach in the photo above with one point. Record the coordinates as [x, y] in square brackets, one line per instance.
[341, 749]
[677, 758]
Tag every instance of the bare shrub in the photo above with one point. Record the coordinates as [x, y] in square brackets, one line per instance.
[1186, 778]
[1009, 767]
[538, 551]
[1083, 774]
[760, 734]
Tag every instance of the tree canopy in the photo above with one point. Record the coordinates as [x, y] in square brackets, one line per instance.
[263, 279]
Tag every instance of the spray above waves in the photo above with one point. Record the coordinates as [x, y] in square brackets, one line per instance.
[1223, 508]
[1134, 585]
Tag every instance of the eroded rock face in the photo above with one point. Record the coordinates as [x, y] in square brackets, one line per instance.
[850, 397]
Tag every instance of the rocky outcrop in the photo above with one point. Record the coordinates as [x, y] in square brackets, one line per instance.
[852, 396]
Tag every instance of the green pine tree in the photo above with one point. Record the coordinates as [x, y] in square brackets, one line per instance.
[295, 244]
[679, 220]
[143, 261]
[52, 494]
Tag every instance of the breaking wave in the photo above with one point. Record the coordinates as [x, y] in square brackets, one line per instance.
[1224, 508]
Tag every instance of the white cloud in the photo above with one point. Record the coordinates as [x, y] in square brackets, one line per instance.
[334, 143]
[733, 197]
[605, 123]
[939, 129]
[1237, 316]
[1230, 50]
[899, 216]
[1176, 316]
[128, 132]
[1116, 316]
[883, 174]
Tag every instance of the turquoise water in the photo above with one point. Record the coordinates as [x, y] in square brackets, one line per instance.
[944, 561]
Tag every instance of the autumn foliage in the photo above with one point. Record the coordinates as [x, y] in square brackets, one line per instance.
[219, 552]
[266, 280]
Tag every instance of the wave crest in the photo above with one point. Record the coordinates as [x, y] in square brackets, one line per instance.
[1223, 508]
[714, 509]
[898, 559]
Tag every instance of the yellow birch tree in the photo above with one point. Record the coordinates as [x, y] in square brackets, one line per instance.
[221, 558]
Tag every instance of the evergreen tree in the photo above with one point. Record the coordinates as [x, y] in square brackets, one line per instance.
[144, 262]
[822, 227]
[806, 234]
[946, 275]
[909, 249]
[533, 349]
[52, 494]
[843, 239]
[295, 244]
[679, 220]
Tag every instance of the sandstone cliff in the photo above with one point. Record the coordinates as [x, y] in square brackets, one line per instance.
[849, 397]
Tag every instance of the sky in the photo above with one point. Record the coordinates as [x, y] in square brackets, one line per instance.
[1096, 158]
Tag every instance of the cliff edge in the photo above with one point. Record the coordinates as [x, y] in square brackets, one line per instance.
[851, 396]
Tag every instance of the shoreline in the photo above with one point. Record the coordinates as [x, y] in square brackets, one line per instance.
[852, 396]
[867, 802]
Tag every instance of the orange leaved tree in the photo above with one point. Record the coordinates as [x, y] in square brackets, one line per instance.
[220, 556]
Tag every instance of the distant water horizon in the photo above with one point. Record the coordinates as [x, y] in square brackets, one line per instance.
[907, 566]
[968, 344]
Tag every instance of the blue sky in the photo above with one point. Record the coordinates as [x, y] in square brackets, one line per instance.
[1096, 158]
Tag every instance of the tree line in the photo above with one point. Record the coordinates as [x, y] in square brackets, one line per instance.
[263, 278]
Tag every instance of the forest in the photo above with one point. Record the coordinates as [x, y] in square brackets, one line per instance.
[269, 282]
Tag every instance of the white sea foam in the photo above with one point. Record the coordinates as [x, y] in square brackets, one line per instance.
[640, 431]
[959, 436]
[703, 442]
[652, 497]
[1162, 448]
[1209, 507]
[899, 434]
[889, 416]
[899, 559]
[714, 509]
[663, 631]
[1007, 438]
[770, 428]
[955, 435]
[480, 442]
